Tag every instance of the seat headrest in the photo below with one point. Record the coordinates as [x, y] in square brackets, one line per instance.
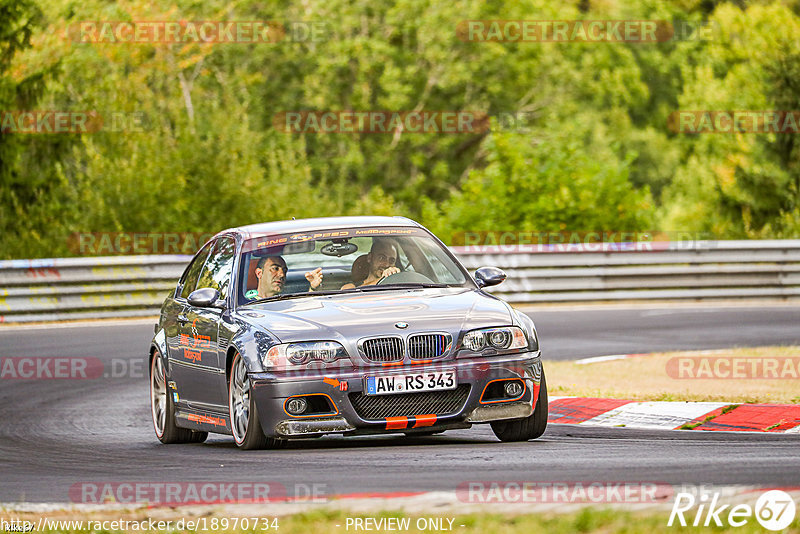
[360, 269]
[252, 281]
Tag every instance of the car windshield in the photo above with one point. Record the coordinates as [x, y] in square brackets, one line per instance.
[342, 260]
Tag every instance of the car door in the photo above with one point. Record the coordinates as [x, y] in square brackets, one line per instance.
[175, 314]
[205, 366]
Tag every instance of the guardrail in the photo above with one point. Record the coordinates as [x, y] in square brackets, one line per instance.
[692, 270]
[130, 286]
[86, 288]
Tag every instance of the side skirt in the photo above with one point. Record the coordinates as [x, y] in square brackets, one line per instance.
[202, 420]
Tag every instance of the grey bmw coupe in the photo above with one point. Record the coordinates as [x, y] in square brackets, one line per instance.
[346, 325]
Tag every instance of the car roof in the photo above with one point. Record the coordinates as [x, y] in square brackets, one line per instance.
[318, 223]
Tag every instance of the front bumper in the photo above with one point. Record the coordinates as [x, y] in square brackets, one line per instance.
[345, 390]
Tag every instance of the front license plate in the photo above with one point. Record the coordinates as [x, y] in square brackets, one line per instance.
[411, 383]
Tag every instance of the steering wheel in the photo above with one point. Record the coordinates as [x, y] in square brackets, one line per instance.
[405, 277]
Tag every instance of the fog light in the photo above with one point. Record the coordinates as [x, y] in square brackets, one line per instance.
[296, 406]
[513, 389]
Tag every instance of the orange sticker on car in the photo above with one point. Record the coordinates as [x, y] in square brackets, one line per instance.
[194, 355]
[199, 341]
[394, 423]
[216, 421]
[424, 420]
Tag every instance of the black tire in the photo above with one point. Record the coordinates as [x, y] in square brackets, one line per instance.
[170, 433]
[529, 428]
[198, 437]
[247, 432]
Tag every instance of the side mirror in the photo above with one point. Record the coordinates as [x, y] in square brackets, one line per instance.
[206, 298]
[489, 276]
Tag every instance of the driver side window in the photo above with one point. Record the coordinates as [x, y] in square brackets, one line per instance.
[190, 278]
[216, 273]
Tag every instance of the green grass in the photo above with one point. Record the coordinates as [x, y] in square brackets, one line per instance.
[645, 378]
[587, 520]
[726, 409]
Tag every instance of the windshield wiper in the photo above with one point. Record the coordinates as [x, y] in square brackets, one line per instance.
[287, 296]
[404, 285]
[382, 287]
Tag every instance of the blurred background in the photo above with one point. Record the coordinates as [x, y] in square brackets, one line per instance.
[595, 152]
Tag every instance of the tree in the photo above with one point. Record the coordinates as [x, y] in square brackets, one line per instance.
[742, 184]
[18, 91]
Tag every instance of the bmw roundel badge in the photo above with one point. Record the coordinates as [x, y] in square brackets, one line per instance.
[401, 325]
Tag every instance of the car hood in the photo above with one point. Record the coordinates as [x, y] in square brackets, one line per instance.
[356, 315]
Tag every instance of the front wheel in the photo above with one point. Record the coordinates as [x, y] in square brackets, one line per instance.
[163, 408]
[529, 428]
[245, 426]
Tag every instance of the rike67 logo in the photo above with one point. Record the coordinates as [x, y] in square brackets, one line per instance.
[774, 510]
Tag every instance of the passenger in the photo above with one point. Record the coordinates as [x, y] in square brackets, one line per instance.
[271, 274]
[381, 262]
[314, 278]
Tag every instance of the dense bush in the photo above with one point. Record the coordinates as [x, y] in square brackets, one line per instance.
[594, 152]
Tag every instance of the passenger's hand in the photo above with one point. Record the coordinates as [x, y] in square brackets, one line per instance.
[314, 277]
[390, 271]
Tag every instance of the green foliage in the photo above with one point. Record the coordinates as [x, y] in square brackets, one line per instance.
[596, 154]
[550, 185]
[18, 21]
[742, 185]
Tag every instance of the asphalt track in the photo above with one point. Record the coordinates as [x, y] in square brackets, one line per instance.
[58, 433]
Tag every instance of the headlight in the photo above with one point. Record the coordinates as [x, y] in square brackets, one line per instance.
[294, 354]
[503, 338]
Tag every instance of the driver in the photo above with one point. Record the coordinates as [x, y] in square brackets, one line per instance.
[381, 260]
[271, 274]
